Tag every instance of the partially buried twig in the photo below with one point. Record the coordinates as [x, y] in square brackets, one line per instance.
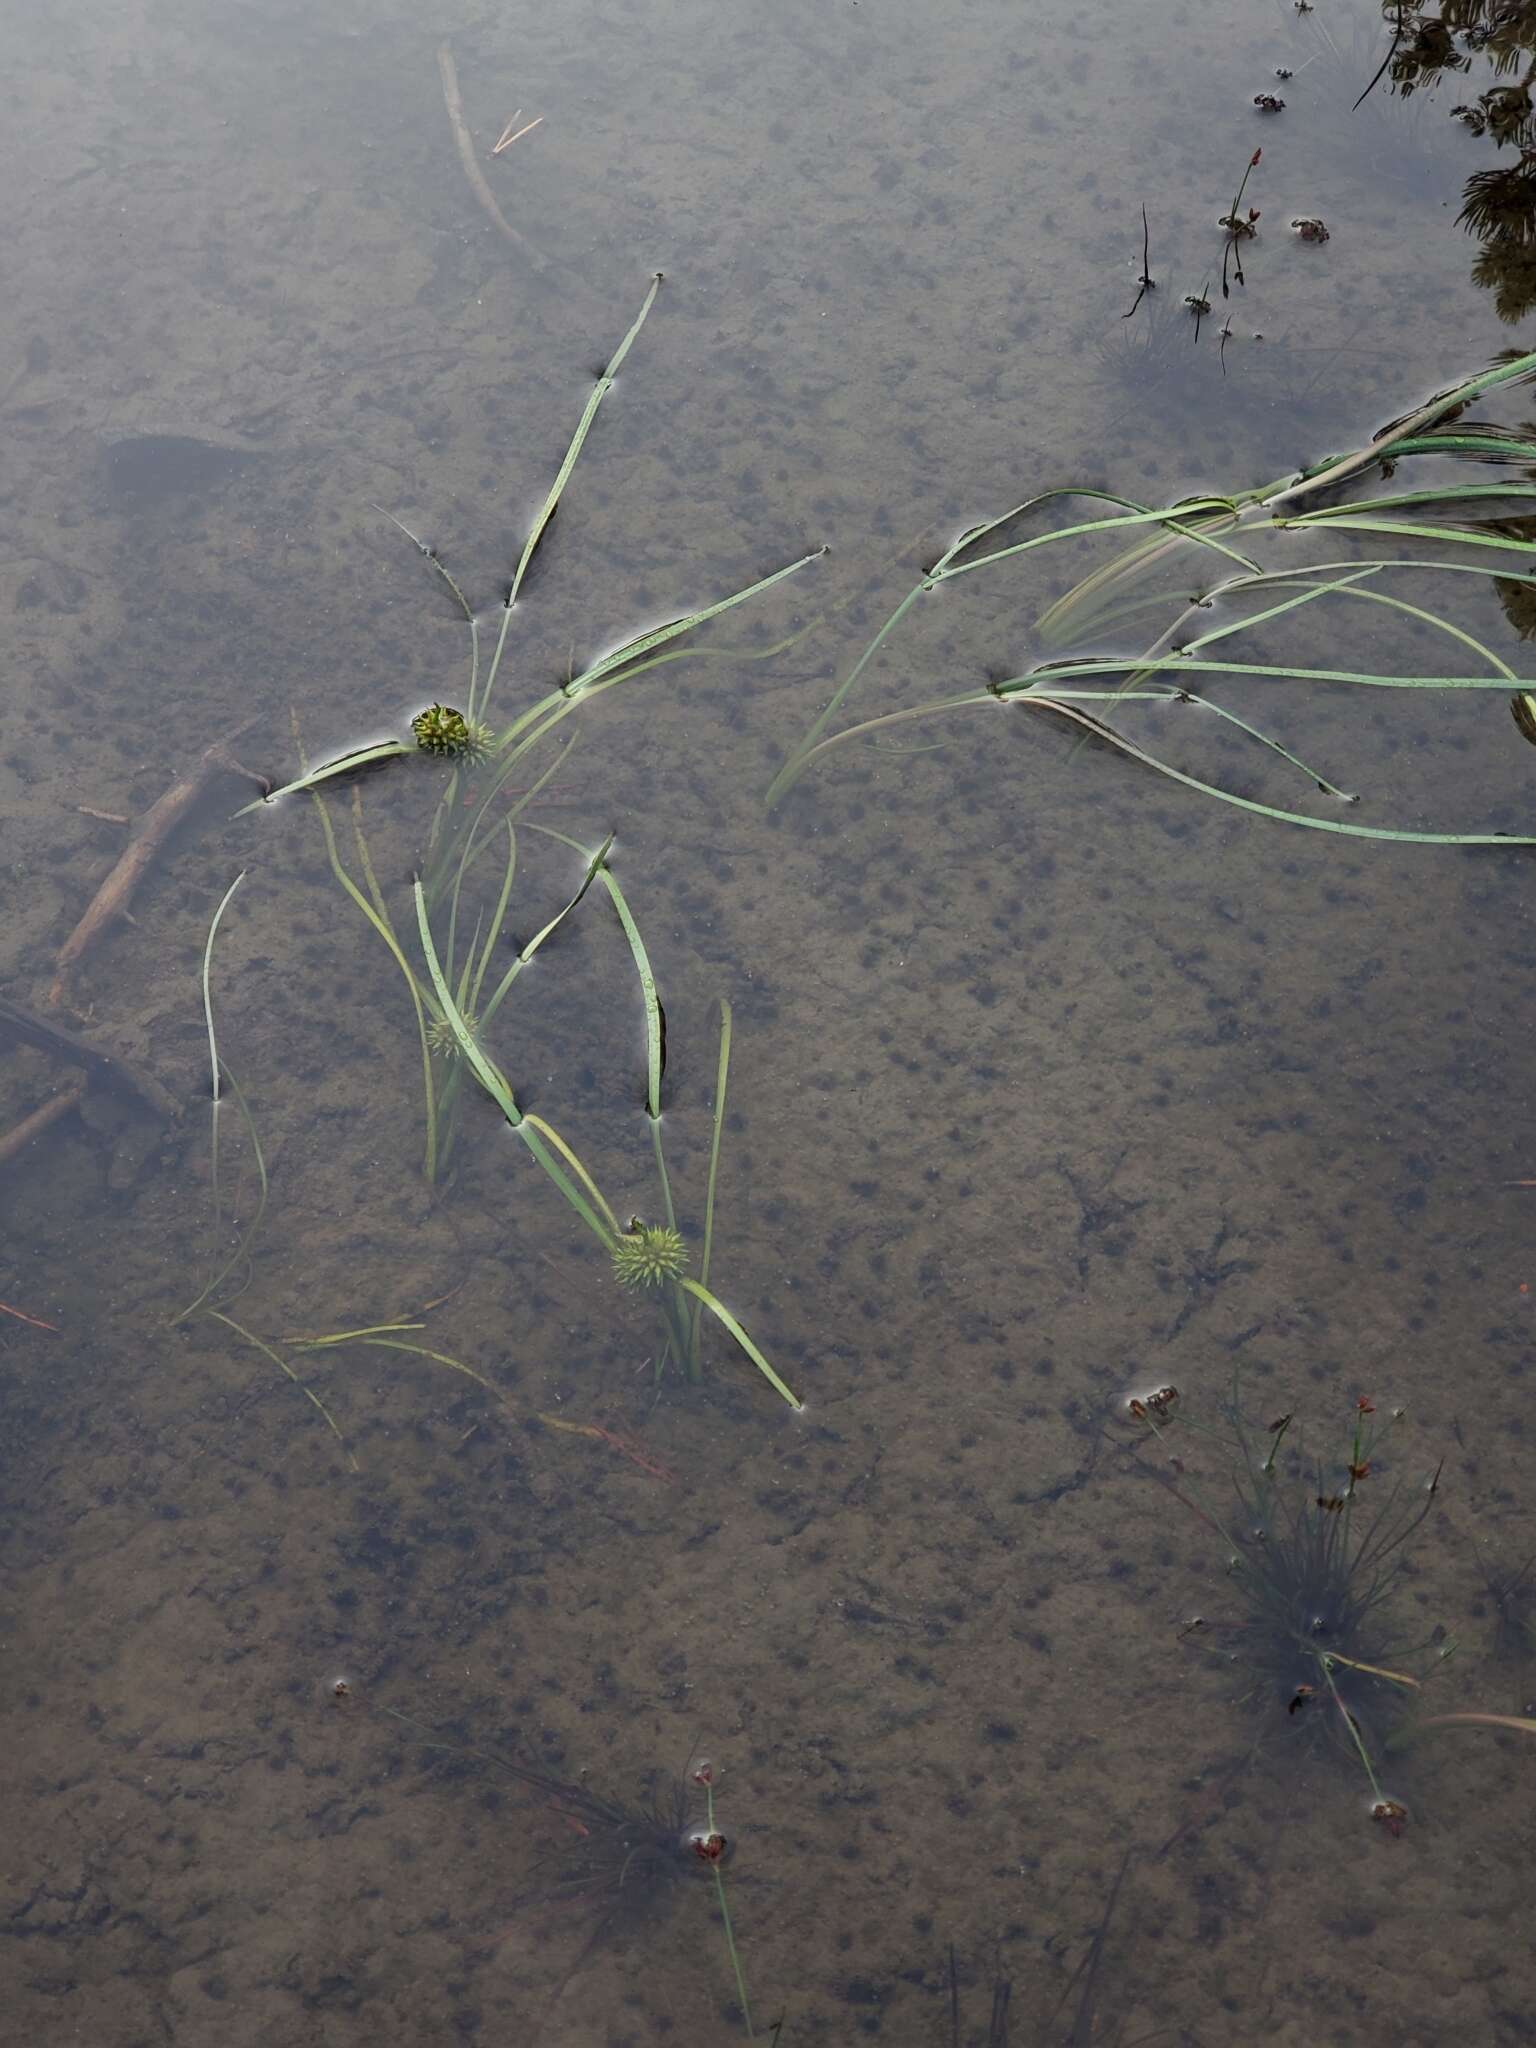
[20, 1136]
[160, 820]
[36, 1322]
[109, 1067]
[482, 191]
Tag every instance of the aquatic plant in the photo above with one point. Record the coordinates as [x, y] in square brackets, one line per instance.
[652, 1257]
[648, 1255]
[1189, 558]
[228, 1279]
[1149, 356]
[457, 986]
[1316, 1549]
[473, 828]
[623, 1863]
[222, 1078]
[440, 730]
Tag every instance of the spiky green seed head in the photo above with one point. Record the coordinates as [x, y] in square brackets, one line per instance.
[441, 730]
[444, 1040]
[647, 1254]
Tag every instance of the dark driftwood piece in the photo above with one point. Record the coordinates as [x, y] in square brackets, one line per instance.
[15, 1022]
[159, 821]
[20, 1136]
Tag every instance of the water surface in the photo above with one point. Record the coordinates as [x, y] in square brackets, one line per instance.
[1050, 1081]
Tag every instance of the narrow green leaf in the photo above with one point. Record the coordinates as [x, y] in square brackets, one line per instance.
[1051, 673]
[213, 1044]
[648, 996]
[599, 392]
[1456, 536]
[658, 636]
[717, 1124]
[344, 764]
[284, 1367]
[722, 1314]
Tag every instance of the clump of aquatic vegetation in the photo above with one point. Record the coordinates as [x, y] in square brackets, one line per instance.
[448, 943]
[644, 1256]
[620, 1864]
[1316, 1549]
[1160, 626]
[649, 1258]
[468, 865]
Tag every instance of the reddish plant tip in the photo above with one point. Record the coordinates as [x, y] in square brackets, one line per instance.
[1254, 158]
[1365, 1407]
[704, 1772]
[709, 1845]
[1392, 1814]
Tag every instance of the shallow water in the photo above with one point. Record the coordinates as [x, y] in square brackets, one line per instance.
[1051, 1081]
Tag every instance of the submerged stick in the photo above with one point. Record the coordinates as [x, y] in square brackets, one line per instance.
[35, 1322]
[20, 1136]
[482, 191]
[159, 821]
[15, 1022]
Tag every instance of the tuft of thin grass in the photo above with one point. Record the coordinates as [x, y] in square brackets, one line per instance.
[623, 1860]
[1316, 1551]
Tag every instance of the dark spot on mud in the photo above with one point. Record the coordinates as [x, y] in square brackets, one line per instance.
[149, 469]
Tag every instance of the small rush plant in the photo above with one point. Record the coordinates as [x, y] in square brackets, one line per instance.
[1317, 1547]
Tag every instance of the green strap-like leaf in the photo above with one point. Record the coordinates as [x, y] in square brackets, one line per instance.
[722, 1314]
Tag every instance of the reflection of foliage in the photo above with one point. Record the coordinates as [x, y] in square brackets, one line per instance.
[1500, 209]
[1517, 598]
[1499, 205]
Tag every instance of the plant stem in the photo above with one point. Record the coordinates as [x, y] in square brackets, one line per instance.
[725, 1917]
